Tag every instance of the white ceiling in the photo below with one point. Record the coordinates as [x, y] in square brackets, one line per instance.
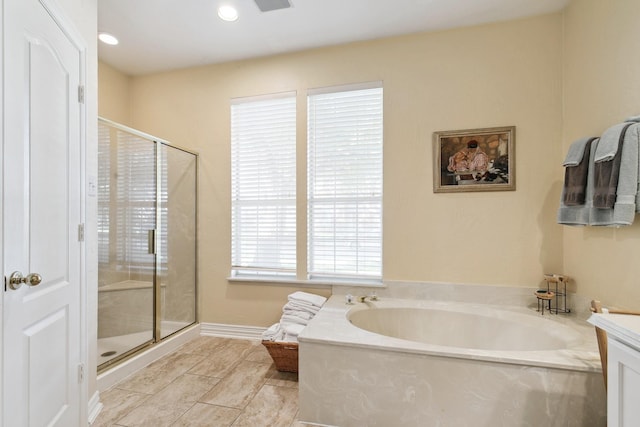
[159, 35]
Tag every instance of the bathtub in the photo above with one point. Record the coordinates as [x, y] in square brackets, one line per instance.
[418, 362]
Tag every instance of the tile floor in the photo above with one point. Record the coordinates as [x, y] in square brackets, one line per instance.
[207, 382]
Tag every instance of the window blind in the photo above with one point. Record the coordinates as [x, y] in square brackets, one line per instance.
[104, 193]
[263, 167]
[135, 213]
[345, 184]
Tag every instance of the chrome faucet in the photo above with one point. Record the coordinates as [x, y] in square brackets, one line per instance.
[371, 297]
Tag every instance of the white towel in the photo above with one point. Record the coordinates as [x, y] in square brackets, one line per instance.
[576, 152]
[289, 338]
[293, 330]
[633, 119]
[296, 311]
[305, 297]
[292, 319]
[303, 306]
[609, 141]
[273, 333]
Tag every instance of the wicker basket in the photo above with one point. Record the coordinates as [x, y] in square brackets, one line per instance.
[284, 355]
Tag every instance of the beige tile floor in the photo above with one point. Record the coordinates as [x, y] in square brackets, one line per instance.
[207, 382]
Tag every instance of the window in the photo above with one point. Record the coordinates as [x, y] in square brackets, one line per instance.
[344, 165]
[263, 167]
[344, 178]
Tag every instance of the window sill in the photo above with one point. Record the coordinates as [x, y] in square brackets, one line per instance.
[308, 283]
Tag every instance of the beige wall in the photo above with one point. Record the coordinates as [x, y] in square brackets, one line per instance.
[494, 75]
[113, 93]
[602, 87]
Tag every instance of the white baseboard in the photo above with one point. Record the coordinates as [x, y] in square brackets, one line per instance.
[111, 377]
[231, 331]
[94, 407]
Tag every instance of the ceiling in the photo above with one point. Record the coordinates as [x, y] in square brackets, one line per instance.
[160, 35]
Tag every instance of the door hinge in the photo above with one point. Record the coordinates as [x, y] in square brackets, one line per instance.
[81, 94]
[80, 232]
[80, 373]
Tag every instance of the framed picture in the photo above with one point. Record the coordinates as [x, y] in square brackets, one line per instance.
[474, 160]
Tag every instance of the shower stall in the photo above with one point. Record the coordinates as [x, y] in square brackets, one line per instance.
[147, 244]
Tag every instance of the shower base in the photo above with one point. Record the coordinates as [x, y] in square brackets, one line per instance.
[112, 347]
[118, 371]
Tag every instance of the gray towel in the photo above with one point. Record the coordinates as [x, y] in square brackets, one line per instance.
[579, 214]
[576, 152]
[635, 119]
[608, 145]
[627, 195]
[575, 177]
[607, 173]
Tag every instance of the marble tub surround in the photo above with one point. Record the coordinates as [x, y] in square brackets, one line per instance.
[498, 295]
[352, 377]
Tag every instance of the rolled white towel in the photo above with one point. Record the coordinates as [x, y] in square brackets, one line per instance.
[305, 297]
[289, 338]
[273, 333]
[293, 329]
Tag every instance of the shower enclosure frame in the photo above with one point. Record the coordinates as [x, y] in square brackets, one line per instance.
[157, 297]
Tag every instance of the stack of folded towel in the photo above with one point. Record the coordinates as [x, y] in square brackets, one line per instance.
[300, 308]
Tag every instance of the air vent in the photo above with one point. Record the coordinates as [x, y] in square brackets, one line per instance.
[267, 5]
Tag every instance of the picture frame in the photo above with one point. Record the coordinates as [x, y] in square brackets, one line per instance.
[474, 160]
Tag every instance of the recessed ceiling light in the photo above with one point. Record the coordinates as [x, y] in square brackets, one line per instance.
[228, 13]
[108, 39]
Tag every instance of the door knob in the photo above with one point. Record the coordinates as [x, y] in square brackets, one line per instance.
[17, 279]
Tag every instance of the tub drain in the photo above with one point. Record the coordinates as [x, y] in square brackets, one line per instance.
[108, 353]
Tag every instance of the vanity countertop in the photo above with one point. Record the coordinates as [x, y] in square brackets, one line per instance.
[621, 327]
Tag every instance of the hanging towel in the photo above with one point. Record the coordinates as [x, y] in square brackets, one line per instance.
[576, 172]
[627, 200]
[607, 170]
[577, 151]
[579, 215]
[633, 119]
[609, 140]
[305, 297]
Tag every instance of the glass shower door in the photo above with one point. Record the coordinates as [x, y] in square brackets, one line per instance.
[176, 241]
[126, 223]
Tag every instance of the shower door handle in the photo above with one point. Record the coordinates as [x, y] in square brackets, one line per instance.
[151, 242]
[17, 279]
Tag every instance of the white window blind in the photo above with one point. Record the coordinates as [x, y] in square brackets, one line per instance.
[263, 167]
[345, 184]
[104, 193]
[135, 213]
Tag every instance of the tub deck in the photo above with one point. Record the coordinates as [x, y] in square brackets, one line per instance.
[352, 377]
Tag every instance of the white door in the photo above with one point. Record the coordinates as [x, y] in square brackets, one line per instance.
[42, 210]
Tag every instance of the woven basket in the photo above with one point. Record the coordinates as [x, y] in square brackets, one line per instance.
[284, 355]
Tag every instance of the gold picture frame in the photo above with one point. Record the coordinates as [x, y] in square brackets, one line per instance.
[474, 160]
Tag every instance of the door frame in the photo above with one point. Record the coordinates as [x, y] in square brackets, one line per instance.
[67, 26]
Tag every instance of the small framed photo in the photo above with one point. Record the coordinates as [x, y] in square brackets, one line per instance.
[474, 160]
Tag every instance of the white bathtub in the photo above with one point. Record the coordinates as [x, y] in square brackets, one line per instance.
[473, 327]
[397, 362]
